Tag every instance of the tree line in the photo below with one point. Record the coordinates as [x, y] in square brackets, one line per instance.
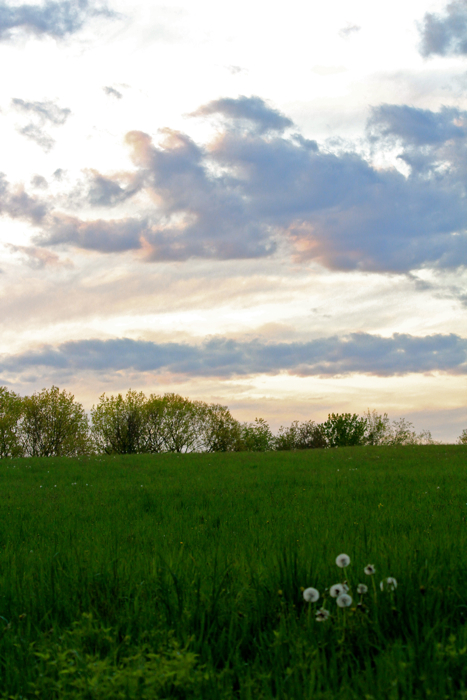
[51, 423]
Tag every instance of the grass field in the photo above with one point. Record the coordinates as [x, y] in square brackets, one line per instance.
[171, 576]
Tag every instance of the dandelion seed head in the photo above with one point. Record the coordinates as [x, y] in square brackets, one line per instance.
[322, 615]
[344, 600]
[369, 570]
[311, 595]
[388, 584]
[343, 560]
[337, 590]
[361, 589]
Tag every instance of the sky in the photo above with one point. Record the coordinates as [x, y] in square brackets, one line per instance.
[259, 206]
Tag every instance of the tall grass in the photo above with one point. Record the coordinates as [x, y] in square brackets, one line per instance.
[180, 576]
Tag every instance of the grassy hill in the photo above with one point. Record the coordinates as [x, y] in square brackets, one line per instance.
[170, 576]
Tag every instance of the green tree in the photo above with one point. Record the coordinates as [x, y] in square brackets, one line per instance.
[344, 430]
[119, 423]
[300, 436]
[220, 431]
[255, 437]
[378, 428]
[462, 439]
[54, 424]
[11, 409]
[180, 423]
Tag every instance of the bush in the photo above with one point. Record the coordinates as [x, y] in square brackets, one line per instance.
[344, 430]
[118, 423]
[11, 409]
[54, 425]
[174, 424]
[300, 436]
[462, 439]
[220, 431]
[255, 437]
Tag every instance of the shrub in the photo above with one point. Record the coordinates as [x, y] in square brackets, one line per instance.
[255, 437]
[462, 439]
[54, 424]
[344, 430]
[11, 409]
[118, 423]
[300, 436]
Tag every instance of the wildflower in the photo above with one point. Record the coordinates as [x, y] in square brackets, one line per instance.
[337, 590]
[342, 560]
[389, 584]
[344, 600]
[369, 570]
[361, 588]
[311, 595]
[322, 615]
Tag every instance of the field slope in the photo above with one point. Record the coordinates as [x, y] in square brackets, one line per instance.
[170, 576]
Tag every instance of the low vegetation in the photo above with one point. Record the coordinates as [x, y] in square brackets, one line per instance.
[324, 574]
[52, 423]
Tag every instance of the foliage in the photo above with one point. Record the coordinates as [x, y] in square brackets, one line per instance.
[462, 440]
[220, 431]
[344, 430]
[255, 437]
[179, 423]
[11, 410]
[300, 436]
[118, 423]
[53, 424]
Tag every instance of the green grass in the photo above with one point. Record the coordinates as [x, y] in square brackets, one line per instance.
[179, 576]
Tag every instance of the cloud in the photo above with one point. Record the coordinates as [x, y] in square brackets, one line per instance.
[418, 127]
[445, 34]
[43, 113]
[100, 235]
[112, 92]
[360, 353]
[39, 182]
[57, 19]
[38, 258]
[348, 30]
[254, 191]
[18, 204]
[253, 110]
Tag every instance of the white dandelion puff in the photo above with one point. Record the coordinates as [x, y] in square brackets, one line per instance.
[388, 584]
[361, 588]
[369, 570]
[322, 615]
[311, 595]
[343, 560]
[344, 600]
[337, 590]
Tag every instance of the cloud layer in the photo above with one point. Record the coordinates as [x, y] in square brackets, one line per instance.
[361, 353]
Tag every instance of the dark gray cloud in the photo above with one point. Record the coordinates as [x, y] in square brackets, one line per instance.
[360, 353]
[252, 190]
[445, 34]
[43, 114]
[57, 19]
[253, 110]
